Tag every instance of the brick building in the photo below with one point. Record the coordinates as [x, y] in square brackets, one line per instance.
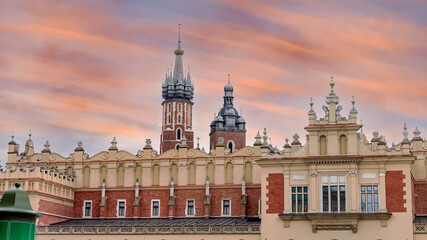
[336, 183]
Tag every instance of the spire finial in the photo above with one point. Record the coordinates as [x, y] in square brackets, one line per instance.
[332, 84]
[311, 104]
[179, 31]
[13, 135]
[29, 134]
[179, 36]
[228, 78]
[353, 101]
[198, 142]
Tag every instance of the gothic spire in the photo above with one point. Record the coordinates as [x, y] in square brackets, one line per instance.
[178, 74]
[178, 84]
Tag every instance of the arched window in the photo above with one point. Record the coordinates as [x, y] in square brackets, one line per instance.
[179, 118]
[178, 134]
[229, 173]
[169, 119]
[230, 146]
[192, 173]
[174, 173]
[179, 107]
[343, 144]
[103, 174]
[248, 172]
[86, 176]
[138, 173]
[211, 172]
[169, 108]
[322, 144]
[156, 175]
[120, 175]
[177, 146]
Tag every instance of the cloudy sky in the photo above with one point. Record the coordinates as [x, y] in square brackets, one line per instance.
[91, 70]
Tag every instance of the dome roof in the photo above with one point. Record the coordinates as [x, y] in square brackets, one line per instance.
[229, 111]
[219, 118]
[241, 120]
[228, 87]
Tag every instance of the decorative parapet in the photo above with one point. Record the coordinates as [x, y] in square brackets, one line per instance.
[39, 178]
[146, 230]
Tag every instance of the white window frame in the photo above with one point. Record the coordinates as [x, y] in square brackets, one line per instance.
[84, 208]
[302, 193]
[259, 207]
[152, 201]
[360, 196]
[194, 207]
[117, 208]
[222, 207]
[329, 192]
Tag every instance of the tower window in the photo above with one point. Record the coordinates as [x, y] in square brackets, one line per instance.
[179, 107]
[179, 118]
[169, 119]
[178, 134]
[230, 146]
[169, 107]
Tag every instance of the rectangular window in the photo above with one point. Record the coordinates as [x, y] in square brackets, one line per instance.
[226, 207]
[87, 208]
[121, 208]
[155, 208]
[369, 198]
[190, 208]
[299, 199]
[334, 193]
[259, 207]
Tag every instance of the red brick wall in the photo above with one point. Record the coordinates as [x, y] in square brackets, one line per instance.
[394, 191]
[420, 198]
[54, 208]
[169, 137]
[163, 195]
[275, 193]
[239, 138]
[80, 197]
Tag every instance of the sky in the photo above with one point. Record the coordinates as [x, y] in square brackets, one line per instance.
[89, 71]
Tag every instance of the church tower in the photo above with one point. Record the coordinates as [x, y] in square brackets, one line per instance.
[177, 93]
[228, 124]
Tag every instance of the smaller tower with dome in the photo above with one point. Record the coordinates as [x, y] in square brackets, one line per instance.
[228, 123]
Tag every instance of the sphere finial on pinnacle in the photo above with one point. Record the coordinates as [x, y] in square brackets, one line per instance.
[353, 101]
[311, 104]
[332, 84]
[17, 184]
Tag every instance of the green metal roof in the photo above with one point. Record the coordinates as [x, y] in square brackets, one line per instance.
[15, 204]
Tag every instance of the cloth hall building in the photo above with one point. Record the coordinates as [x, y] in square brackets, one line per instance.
[334, 184]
